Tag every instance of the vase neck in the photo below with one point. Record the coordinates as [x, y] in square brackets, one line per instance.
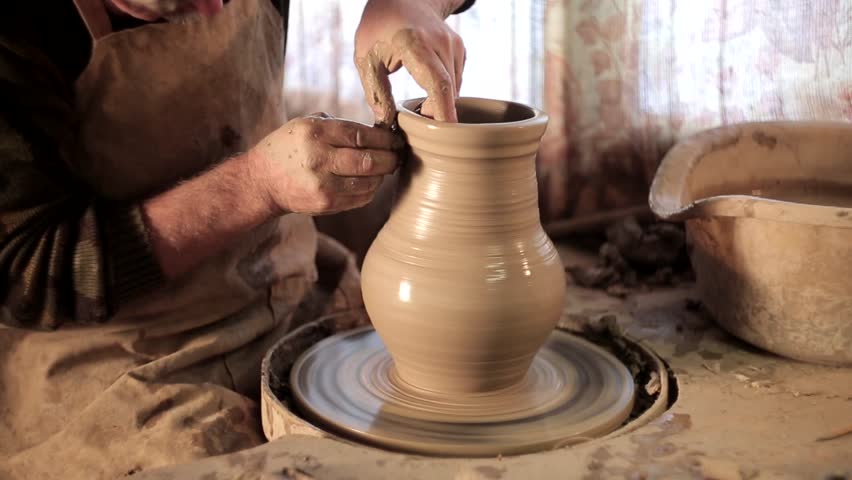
[470, 197]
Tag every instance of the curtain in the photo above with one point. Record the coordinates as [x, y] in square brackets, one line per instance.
[625, 79]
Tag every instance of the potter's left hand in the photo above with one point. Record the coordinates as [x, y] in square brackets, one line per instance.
[413, 34]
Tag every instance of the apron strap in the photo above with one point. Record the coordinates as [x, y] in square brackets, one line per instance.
[95, 17]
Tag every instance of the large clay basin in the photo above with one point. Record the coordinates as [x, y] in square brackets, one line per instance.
[768, 211]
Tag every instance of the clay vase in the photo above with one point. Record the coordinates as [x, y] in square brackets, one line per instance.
[462, 284]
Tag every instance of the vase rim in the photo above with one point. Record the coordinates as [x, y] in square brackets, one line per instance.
[514, 114]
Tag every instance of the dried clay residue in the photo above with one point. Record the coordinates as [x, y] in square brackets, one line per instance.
[606, 334]
[656, 444]
[636, 257]
[764, 139]
[649, 449]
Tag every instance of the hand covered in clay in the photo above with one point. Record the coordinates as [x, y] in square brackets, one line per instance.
[413, 34]
[320, 165]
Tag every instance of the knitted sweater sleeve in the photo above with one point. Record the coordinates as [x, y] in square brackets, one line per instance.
[65, 254]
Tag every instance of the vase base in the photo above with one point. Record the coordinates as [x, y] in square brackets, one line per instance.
[573, 391]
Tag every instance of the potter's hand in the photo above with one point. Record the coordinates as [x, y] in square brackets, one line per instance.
[320, 165]
[410, 33]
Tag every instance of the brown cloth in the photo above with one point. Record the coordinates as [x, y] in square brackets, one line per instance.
[174, 375]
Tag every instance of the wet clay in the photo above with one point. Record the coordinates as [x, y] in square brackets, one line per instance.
[574, 391]
[811, 193]
[462, 283]
[406, 48]
[374, 80]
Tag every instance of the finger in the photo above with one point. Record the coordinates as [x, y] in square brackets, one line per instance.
[349, 186]
[345, 202]
[429, 72]
[459, 57]
[352, 201]
[351, 162]
[377, 88]
[346, 133]
[446, 56]
[427, 109]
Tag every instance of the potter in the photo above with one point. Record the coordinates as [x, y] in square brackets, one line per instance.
[159, 218]
[462, 283]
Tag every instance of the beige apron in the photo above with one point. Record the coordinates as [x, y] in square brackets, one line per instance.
[175, 376]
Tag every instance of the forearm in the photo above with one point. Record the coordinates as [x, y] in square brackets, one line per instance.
[199, 218]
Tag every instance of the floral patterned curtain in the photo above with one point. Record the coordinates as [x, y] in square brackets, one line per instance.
[624, 79]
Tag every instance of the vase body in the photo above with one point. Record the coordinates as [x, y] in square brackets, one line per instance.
[462, 283]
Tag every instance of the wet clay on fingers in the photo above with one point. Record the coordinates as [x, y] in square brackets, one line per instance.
[406, 48]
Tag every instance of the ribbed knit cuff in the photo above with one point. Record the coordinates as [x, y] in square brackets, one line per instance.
[131, 265]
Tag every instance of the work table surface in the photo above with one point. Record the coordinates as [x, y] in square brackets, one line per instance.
[740, 414]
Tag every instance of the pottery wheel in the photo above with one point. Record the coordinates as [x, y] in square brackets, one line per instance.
[574, 391]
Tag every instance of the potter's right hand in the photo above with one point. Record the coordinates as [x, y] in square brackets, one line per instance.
[319, 165]
[411, 34]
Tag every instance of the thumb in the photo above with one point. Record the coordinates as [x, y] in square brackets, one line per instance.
[377, 88]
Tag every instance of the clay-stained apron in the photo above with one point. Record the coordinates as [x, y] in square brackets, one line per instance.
[174, 376]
